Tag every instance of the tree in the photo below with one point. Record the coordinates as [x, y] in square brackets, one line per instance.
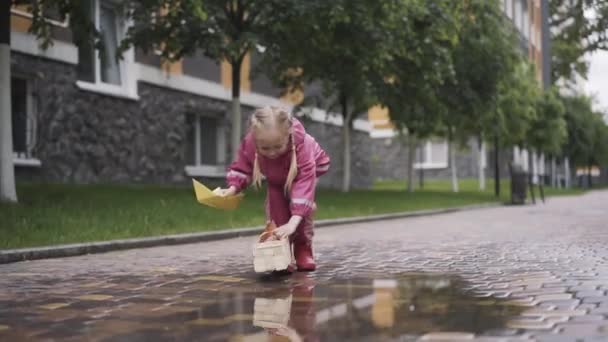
[599, 143]
[552, 142]
[587, 143]
[515, 111]
[420, 63]
[7, 172]
[40, 26]
[578, 115]
[84, 33]
[340, 45]
[222, 29]
[517, 101]
[548, 133]
[483, 57]
[579, 27]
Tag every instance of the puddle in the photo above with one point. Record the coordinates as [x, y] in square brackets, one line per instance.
[252, 308]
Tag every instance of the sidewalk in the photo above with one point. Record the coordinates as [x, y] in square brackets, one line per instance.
[508, 273]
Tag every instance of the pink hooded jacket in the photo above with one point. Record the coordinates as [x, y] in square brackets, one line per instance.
[312, 163]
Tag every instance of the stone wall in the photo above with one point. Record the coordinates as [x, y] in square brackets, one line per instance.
[330, 138]
[389, 160]
[390, 157]
[86, 137]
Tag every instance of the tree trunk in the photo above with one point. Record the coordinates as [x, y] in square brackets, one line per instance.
[542, 168]
[421, 178]
[453, 167]
[531, 175]
[346, 136]
[567, 172]
[589, 180]
[411, 151]
[553, 172]
[496, 168]
[541, 175]
[235, 140]
[8, 191]
[481, 162]
[346, 158]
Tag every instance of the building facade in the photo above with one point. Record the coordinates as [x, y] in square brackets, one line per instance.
[81, 117]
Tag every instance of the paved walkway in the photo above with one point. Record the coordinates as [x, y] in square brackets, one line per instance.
[511, 273]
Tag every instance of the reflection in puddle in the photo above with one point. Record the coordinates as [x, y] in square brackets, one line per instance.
[219, 308]
[374, 309]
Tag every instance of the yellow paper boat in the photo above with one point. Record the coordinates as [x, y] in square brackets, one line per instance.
[207, 197]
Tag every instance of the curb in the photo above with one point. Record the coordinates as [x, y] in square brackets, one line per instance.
[15, 255]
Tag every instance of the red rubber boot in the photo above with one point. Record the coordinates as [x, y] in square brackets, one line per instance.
[304, 257]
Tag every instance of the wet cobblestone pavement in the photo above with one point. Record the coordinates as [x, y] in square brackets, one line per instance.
[532, 273]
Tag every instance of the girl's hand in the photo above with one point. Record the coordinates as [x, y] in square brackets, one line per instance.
[225, 192]
[289, 228]
[284, 231]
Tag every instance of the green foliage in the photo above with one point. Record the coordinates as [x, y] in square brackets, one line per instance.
[518, 94]
[221, 29]
[548, 132]
[339, 45]
[84, 31]
[579, 27]
[420, 62]
[599, 148]
[587, 132]
[486, 55]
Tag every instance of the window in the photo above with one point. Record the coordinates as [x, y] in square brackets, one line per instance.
[22, 15]
[517, 19]
[206, 146]
[260, 83]
[200, 66]
[23, 121]
[509, 8]
[99, 69]
[50, 14]
[108, 22]
[432, 155]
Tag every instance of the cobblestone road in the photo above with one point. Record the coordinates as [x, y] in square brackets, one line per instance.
[531, 273]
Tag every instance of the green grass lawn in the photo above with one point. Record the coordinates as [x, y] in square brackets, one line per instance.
[471, 185]
[51, 214]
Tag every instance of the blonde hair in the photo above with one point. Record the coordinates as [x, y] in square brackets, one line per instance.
[267, 117]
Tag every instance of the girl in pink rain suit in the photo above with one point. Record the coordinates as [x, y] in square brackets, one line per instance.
[278, 148]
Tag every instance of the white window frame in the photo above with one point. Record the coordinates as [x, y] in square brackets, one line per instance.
[28, 15]
[31, 126]
[206, 170]
[128, 69]
[427, 156]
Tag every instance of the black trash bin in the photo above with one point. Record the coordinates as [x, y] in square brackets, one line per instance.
[519, 186]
